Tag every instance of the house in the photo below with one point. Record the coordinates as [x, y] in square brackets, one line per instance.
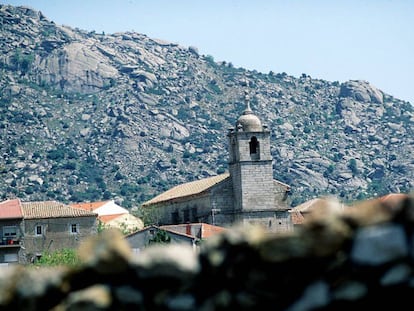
[124, 222]
[198, 230]
[189, 234]
[101, 207]
[154, 234]
[51, 226]
[246, 194]
[11, 230]
[112, 215]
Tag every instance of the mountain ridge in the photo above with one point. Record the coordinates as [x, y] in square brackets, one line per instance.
[90, 116]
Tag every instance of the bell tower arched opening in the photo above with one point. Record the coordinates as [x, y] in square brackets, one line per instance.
[254, 147]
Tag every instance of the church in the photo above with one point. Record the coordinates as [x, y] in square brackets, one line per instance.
[247, 194]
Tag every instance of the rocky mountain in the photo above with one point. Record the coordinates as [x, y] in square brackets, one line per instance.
[88, 116]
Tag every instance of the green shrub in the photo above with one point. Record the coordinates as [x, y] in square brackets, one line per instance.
[63, 257]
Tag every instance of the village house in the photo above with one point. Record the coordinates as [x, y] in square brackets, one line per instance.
[29, 229]
[112, 215]
[246, 194]
[189, 234]
[51, 226]
[11, 228]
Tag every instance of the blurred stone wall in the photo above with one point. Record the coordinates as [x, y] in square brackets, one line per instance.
[359, 258]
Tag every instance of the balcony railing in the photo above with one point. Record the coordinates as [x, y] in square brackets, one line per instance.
[13, 242]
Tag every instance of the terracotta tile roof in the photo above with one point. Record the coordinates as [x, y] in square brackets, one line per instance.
[163, 228]
[208, 230]
[123, 221]
[297, 217]
[108, 218]
[89, 206]
[10, 209]
[393, 200]
[187, 189]
[198, 230]
[51, 209]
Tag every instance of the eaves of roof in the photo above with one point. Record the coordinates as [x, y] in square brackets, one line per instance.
[189, 189]
[52, 209]
[11, 209]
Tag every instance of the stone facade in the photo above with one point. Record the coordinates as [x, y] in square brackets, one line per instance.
[57, 234]
[50, 225]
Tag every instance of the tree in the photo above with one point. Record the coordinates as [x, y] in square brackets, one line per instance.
[161, 236]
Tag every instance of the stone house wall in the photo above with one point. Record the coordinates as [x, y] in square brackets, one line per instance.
[56, 234]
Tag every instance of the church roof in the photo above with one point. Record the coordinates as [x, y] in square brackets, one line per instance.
[187, 189]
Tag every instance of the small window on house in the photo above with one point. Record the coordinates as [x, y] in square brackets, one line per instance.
[254, 145]
[38, 230]
[10, 231]
[74, 228]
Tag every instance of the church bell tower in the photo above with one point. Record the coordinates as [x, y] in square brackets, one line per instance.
[250, 164]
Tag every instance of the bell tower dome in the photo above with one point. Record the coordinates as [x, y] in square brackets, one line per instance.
[248, 122]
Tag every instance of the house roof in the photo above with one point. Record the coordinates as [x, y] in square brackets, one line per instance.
[188, 230]
[107, 218]
[187, 189]
[199, 230]
[162, 228]
[123, 221]
[10, 209]
[297, 217]
[102, 207]
[51, 209]
[393, 199]
[89, 206]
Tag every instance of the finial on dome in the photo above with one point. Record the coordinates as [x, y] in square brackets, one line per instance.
[247, 101]
[248, 122]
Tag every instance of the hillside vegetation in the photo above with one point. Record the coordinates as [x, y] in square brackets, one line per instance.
[87, 117]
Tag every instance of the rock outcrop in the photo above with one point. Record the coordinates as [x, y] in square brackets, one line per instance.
[92, 116]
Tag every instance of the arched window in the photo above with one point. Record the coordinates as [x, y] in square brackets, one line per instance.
[254, 148]
[254, 145]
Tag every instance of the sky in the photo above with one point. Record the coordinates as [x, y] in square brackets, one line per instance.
[341, 40]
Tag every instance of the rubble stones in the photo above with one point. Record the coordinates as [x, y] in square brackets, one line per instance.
[359, 258]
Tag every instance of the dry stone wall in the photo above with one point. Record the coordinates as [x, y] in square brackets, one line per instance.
[359, 258]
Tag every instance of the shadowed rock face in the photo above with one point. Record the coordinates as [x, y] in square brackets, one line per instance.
[358, 258]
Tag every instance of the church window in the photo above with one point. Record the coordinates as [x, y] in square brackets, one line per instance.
[254, 148]
[194, 214]
[175, 217]
[254, 145]
[186, 215]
